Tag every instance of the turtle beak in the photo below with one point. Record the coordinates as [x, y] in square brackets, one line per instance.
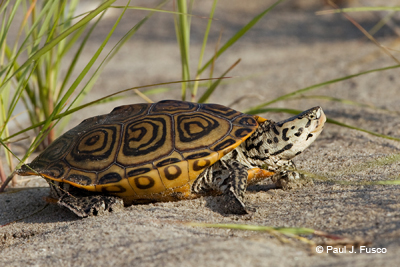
[321, 119]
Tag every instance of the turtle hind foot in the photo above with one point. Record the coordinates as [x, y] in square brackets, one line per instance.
[84, 206]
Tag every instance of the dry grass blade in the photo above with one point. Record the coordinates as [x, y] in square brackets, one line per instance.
[238, 35]
[11, 176]
[214, 85]
[3, 178]
[293, 232]
[7, 181]
[366, 33]
[145, 97]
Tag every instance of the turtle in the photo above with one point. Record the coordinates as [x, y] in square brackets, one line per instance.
[168, 151]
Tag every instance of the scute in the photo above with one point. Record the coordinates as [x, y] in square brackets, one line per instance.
[82, 178]
[245, 121]
[56, 170]
[145, 140]
[59, 148]
[79, 179]
[219, 110]
[95, 150]
[198, 130]
[172, 107]
[144, 151]
[127, 112]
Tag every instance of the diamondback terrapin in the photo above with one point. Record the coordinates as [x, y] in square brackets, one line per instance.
[170, 150]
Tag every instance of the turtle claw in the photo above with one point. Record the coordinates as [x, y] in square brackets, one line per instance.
[84, 206]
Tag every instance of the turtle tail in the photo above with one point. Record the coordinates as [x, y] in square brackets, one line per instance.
[26, 170]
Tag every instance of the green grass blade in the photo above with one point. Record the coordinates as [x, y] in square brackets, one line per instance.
[78, 52]
[238, 35]
[72, 110]
[86, 70]
[9, 151]
[15, 53]
[387, 182]
[381, 23]
[203, 47]
[43, 85]
[6, 26]
[344, 101]
[328, 120]
[47, 126]
[153, 10]
[362, 130]
[38, 54]
[134, 29]
[109, 56]
[282, 230]
[17, 95]
[183, 33]
[156, 91]
[316, 86]
[359, 9]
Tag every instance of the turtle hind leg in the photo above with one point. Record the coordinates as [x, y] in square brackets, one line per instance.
[228, 177]
[233, 204]
[91, 205]
[234, 188]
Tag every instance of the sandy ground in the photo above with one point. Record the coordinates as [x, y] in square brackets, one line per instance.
[291, 48]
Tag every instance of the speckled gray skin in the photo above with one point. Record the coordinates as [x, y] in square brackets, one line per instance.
[271, 147]
[81, 202]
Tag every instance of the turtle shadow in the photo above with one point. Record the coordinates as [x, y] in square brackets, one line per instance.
[28, 205]
[261, 187]
[220, 204]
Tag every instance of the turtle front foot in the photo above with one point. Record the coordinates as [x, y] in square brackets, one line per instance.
[85, 206]
[288, 180]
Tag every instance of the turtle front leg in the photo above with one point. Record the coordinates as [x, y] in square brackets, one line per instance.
[85, 206]
[228, 177]
[288, 178]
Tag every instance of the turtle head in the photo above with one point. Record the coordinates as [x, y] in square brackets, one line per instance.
[296, 133]
[273, 144]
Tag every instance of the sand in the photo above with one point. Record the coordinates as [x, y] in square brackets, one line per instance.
[291, 48]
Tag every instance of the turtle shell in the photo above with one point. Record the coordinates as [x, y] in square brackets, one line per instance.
[144, 151]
